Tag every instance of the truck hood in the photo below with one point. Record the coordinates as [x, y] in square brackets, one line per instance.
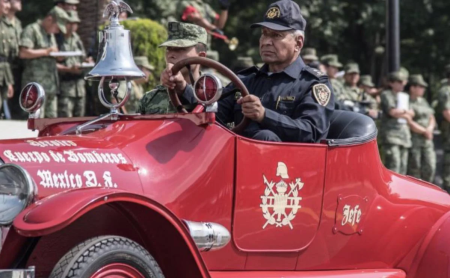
[73, 163]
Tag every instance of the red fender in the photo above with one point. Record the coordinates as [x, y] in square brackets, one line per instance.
[432, 258]
[59, 211]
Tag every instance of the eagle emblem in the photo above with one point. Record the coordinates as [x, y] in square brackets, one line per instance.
[273, 12]
[115, 8]
[280, 202]
[322, 94]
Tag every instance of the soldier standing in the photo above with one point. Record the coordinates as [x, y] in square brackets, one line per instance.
[422, 157]
[67, 5]
[443, 115]
[71, 101]
[16, 6]
[332, 66]
[200, 13]
[36, 44]
[8, 48]
[395, 134]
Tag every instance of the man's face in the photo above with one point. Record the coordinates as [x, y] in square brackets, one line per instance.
[16, 5]
[397, 86]
[277, 47]
[5, 6]
[176, 54]
[52, 27]
[331, 71]
[418, 90]
[351, 78]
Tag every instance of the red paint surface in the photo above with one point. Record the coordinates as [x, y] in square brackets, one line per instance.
[202, 172]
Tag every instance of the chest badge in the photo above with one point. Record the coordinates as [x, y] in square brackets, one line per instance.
[280, 202]
[322, 94]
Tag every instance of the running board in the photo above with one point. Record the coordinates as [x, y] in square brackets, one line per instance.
[368, 273]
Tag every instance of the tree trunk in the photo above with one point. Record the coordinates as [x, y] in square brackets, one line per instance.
[91, 14]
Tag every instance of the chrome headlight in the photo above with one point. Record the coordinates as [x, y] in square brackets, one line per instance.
[17, 191]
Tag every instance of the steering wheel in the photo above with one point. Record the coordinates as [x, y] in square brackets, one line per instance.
[222, 70]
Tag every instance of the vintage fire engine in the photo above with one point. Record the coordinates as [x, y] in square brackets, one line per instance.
[182, 196]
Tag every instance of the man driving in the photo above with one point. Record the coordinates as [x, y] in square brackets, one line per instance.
[289, 101]
[185, 40]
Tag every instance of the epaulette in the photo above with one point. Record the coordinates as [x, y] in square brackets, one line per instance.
[248, 71]
[315, 72]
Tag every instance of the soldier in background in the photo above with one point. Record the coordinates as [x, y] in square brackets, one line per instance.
[16, 64]
[422, 156]
[309, 55]
[332, 66]
[36, 44]
[395, 135]
[8, 48]
[443, 117]
[67, 5]
[242, 63]
[200, 13]
[71, 101]
[137, 85]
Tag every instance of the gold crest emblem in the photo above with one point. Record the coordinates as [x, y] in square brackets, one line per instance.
[273, 13]
[322, 94]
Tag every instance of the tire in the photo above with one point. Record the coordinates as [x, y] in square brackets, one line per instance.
[96, 256]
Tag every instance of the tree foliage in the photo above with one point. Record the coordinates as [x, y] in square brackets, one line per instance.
[355, 30]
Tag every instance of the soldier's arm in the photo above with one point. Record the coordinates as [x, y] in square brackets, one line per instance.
[445, 99]
[28, 53]
[190, 14]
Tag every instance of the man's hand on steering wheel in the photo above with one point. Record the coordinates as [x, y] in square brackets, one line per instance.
[252, 108]
[173, 82]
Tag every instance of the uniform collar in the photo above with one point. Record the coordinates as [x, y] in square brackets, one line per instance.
[293, 70]
[6, 20]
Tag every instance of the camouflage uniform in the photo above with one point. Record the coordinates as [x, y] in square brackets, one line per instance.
[43, 70]
[444, 104]
[203, 8]
[9, 50]
[71, 101]
[422, 157]
[158, 101]
[331, 60]
[395, 136]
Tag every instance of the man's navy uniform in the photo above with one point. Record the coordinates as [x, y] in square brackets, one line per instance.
[293, 114]
[298, 101]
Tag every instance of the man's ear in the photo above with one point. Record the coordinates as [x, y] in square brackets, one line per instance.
[202, 54]
[299, 43]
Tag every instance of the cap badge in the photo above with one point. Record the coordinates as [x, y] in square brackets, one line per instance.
[322, 94]
[273, 12]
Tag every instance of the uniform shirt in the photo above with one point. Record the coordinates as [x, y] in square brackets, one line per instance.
[338, 89]
[73, 85]
[137, 92]
[157, 101]
[423, 113]
[9, 50]
[444, 104]
[292, 112]
[391, 130]
[42, 70]
[356, 95]
[204, 9]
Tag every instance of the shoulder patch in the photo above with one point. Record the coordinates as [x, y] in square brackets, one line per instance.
[322, 94]
[248, 71]
[315, 72]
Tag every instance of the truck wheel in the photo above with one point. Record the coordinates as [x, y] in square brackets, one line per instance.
[107, 256]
